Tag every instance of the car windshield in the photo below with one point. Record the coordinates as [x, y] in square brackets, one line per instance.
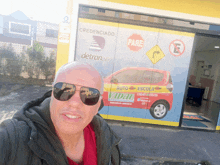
[139, 76]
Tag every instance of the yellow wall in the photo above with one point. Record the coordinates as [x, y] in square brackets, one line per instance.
[210, 8]
[62, 54]
[140, 120]
[62, 48]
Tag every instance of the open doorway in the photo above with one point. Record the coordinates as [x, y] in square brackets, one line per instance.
[202, 104]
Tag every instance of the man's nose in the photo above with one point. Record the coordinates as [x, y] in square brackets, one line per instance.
[75, 100]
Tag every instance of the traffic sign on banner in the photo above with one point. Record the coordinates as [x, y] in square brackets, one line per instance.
[135, 42]
[155, 54]
[177, 47]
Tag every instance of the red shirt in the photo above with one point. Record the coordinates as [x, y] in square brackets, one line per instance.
[90, 151]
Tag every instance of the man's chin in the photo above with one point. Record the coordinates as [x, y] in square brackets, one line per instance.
[64, 125]
[69, 130]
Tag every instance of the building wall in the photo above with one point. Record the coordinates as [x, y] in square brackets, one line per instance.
[7, 20]
[19, 42]
[1, 24]
[209, 58]
[41, 33]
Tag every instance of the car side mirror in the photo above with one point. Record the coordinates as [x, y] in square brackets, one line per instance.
[114, 80]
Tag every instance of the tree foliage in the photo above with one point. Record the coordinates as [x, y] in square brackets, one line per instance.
[36, 52]
[14, 67]
[7, 52]
[48, 65]
[36, 55]
[10, 62]
[33, 61]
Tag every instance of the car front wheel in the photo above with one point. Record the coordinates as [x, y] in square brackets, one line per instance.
[159, 109]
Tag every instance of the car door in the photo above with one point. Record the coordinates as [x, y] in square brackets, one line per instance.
[124, 89]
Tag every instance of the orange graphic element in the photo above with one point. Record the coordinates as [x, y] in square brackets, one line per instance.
[191, 117]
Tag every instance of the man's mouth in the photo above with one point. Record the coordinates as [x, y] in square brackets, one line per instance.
[72, 116]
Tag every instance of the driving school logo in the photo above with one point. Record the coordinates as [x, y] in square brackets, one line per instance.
[94, 57]
[125, 88]
[98, 43]
[97, 32]
[122, 97]
[145, 88]
[122, 88]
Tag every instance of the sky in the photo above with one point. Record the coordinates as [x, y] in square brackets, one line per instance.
[52, 11]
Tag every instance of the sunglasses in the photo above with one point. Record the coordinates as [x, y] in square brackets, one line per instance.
[63, 91]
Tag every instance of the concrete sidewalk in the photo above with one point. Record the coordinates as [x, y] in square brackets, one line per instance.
[156, 161]
[141, 144]
[161, 145]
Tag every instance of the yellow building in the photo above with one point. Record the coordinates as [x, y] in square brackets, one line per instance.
[180, 37]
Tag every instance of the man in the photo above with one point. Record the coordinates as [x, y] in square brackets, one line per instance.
[62, 127]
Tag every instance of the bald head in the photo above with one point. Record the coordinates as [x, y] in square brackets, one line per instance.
[75, 69]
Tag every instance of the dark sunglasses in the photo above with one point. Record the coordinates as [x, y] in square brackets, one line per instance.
[63, 91]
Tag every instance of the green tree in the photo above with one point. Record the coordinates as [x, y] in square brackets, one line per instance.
[48, 65]
[36, 52]
[12, 64]
[7, 52]
[36, 55]
[14, 67]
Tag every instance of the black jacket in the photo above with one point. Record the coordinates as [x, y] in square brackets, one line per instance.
[30, 138]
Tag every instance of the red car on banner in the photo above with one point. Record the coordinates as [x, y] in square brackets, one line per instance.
[139, 87]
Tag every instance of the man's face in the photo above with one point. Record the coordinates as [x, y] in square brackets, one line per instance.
[72, 116]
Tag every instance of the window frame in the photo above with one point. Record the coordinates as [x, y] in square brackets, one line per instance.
[11, 22]
[51, 33]
[152, 78]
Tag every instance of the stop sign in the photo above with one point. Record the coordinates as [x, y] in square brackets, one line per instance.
[135, 42]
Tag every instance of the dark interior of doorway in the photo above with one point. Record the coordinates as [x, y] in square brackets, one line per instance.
[201, 107]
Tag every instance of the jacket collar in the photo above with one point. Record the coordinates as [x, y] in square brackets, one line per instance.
[106, 139]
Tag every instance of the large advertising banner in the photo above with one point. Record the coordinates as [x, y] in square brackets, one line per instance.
[145, 69]
[96, 44]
